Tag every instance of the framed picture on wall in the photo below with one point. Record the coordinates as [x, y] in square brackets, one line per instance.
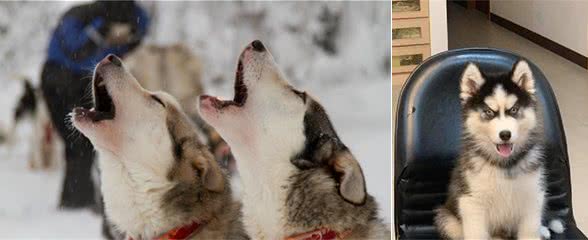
[409, 8]
[410, 31]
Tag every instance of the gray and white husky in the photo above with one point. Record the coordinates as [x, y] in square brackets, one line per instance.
[158, 179]
[497, 189]
[299, 180]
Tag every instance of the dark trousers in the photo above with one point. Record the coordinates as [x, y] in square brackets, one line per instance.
[64, 90]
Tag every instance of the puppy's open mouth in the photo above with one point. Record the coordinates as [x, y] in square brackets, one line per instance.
[103, 106]
[240, 96]
[504, 149]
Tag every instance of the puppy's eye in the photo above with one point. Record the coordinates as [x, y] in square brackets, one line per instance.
[157, 99]
[300, 94]
[514, 110]
[488, 113]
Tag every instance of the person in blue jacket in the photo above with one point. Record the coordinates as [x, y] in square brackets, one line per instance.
[84, 35]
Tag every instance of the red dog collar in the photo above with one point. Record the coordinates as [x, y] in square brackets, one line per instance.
[182, 232]
[320, 234]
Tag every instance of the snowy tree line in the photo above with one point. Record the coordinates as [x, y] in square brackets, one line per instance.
[322, 43]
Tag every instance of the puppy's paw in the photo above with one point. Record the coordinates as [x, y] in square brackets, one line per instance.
[557, 226]
[545, 233]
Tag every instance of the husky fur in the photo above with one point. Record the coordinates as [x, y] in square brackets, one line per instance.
[175, 69]
[497, 189]
[156, 175]
[297, 175]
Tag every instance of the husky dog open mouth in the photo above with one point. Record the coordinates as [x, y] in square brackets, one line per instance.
[240, 95]
[299, 179]
[103, 106]
[157, 178]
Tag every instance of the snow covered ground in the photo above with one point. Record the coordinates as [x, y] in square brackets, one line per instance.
[353, 85]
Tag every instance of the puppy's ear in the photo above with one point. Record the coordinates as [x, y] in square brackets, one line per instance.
[470, 83]
[351, 180]
[208, 169]
[523, 77]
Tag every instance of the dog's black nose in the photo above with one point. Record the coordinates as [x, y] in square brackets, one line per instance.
[258, 46]
[114, 60]
[504, 135]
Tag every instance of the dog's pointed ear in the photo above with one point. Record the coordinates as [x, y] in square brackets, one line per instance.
[351, 180]
[208, 169]
[28, 101]
[523, 76]
[471, 81]
[29, 89]
[329, 151]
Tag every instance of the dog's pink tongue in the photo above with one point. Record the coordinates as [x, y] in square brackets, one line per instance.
[504, 149]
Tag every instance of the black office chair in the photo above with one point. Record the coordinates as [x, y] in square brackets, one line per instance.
[427, 139]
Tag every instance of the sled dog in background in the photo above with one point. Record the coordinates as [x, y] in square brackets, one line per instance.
[45, 146]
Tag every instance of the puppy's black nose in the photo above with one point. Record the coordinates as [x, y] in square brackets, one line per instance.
[114, 60]
[258, 46]
[504, 135]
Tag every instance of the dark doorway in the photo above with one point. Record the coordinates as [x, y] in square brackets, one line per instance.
[480, 5]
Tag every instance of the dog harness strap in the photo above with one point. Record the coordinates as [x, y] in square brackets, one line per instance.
[48, 128]
[182, 232]
[320, 234]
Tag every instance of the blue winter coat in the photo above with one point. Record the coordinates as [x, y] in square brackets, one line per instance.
[72, 46]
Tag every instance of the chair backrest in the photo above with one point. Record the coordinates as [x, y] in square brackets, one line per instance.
[428, 131]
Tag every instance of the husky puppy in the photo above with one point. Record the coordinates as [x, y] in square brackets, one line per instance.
[157, 179]
[299, 180]
[497, 188]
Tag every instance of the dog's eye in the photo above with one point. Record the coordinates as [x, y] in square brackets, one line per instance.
[488, 113]
[300, 94]
[156, 98]
[514, 110]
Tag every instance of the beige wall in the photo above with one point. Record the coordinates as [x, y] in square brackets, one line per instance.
[438, 23]
[562, 21]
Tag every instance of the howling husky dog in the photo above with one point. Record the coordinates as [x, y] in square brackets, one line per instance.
[497, 188]
[158, 180]
[299, 180]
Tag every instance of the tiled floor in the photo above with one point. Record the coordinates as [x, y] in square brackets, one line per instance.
[469, 28]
